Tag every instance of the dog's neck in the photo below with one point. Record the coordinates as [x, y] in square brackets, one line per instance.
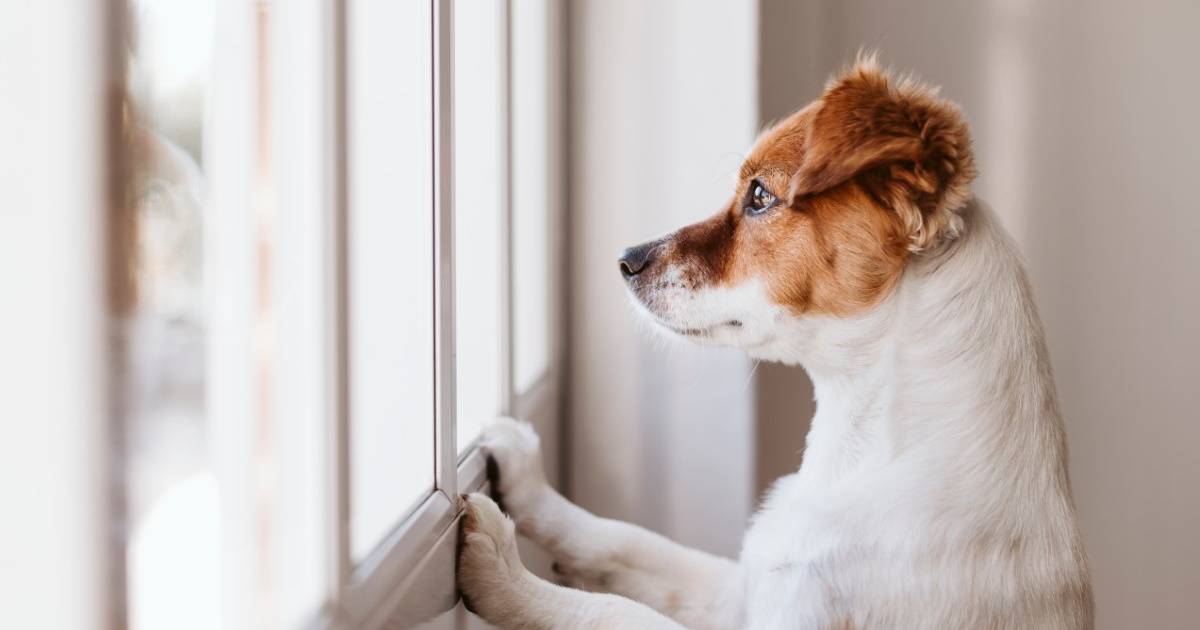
[950, 369]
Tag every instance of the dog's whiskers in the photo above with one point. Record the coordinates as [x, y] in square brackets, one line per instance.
[750, 376]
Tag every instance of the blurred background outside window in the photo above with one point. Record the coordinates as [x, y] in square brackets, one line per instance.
[172, 499]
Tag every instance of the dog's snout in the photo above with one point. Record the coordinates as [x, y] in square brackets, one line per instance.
[635, 259]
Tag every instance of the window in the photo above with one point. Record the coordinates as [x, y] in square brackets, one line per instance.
[331, 262]
[480, 204]
[390, 264]
[172, 500]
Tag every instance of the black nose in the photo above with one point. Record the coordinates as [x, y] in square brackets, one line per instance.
[635, 259]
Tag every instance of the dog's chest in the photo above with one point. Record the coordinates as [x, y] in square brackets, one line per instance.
[792, 556]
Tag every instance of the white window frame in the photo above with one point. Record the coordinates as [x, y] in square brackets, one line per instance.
[408, 578]
[56, 240]
[406, 561]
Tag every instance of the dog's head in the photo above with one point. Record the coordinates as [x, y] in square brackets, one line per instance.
[829, 207]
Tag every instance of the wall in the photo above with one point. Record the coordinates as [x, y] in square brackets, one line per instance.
[792, 69]
[56, 474]
[662, 107]
[1084, 120]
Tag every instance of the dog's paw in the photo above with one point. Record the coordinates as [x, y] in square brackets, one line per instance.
[490, 574]
[517, 476]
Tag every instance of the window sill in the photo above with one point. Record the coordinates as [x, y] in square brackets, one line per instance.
[410, 579]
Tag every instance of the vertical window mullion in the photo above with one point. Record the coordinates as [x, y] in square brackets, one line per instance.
[507, 388]
[338, 287]
[446, 457]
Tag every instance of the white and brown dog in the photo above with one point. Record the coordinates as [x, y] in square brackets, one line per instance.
[934, 491]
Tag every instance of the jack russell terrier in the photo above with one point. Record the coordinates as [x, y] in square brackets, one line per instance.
[934, 491]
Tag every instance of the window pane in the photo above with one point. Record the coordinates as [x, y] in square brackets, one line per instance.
[390, 258]
[173, 550]
[531, 143]
[478, 201]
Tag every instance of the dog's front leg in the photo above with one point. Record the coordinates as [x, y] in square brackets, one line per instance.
[696, 589]
[498, 588]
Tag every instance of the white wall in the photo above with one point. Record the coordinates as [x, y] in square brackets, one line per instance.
[662, 107]
[57, 569]
[1085, 121]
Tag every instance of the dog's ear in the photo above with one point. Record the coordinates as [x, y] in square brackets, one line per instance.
[910, 147]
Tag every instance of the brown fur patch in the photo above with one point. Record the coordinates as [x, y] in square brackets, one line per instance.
[909, 147]
[865, 176]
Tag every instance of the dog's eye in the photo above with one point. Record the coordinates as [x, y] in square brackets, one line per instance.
[760, 198]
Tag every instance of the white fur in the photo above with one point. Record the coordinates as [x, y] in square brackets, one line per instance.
[933, 494]
[703, 314]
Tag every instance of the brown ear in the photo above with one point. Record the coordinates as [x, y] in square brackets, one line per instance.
[911, 147]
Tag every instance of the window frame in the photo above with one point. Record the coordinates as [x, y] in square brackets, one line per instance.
[408, 579]
[366, 595]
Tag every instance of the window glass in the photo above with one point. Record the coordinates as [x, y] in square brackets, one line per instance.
[173, 550]
[530, 177]
[479, 199]
[224, 294]
[390, 264]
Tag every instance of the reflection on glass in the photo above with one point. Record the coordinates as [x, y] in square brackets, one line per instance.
[173, 548]
[478, 202]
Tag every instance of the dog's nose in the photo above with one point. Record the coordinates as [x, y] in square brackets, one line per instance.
[636, 259]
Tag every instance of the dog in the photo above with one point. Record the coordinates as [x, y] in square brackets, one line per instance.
[933, 492]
